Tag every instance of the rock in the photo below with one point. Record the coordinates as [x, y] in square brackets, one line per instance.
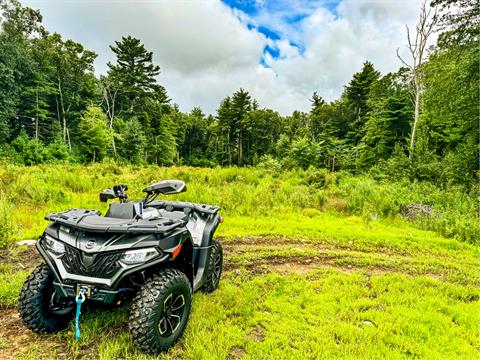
[414, 211]
[26, 242]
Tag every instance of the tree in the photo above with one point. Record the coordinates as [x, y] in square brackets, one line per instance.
[303, 153]
[74, 80]
[262, 129]
[164, 147]
[18, 26]
[196, 133]
[133, 76]
[95, 134]
[356, 94]
[450, 116]
[388, 121]
[460, 22]
[240, 106]
[132, 142]
[417, 48]
[318, 122]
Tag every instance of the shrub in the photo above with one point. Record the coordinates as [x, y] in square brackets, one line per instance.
[269, 163]
[6, 223]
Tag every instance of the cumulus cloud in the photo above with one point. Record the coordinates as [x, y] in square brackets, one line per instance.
[207, 50]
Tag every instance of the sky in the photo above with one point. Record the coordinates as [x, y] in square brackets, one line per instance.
[280, 51]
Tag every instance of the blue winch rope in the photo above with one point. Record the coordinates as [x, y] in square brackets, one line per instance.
[80, 299]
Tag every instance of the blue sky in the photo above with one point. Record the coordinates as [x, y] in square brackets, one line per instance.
[279, 20]
[280, 51]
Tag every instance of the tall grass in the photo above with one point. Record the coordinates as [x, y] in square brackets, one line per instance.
[28, 193]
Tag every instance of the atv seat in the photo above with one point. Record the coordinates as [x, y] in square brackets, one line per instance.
[124, 210]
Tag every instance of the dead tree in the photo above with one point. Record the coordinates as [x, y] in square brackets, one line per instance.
[109, 95]
[417, 48]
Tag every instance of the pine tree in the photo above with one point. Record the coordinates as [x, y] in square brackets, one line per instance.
[224, 118]
[388, 121]
[356, 94]
[164, 145]
[240, 106]
[134, 76]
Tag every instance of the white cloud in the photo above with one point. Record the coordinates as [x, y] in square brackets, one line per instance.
[206, 51]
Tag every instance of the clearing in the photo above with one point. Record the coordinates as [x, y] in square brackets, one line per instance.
[308, 274]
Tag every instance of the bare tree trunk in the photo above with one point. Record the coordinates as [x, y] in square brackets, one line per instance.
[240, 148]
[68, 140]
[417, 48]
[62, 106]
[415, 121]
[36, 117]
[58, 110]
[109, 99]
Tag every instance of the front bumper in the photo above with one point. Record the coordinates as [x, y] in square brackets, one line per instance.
[97, 294]
[105, 289]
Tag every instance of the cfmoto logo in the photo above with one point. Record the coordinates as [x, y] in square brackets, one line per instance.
[90, 244]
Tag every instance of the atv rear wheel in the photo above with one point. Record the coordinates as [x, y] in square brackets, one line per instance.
[160, 311]
[40, 308]
[214, 268]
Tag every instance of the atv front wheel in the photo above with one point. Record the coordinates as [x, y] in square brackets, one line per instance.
[160, 311]
[214, 268]
[40, 308]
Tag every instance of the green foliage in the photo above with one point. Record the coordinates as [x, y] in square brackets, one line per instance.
[356, 95]
[388, 121]
[164, 145]
[133, 142]
[96, 136]
[258, 192]
[302, 153]
[29, 151]
[48, 88]
[7, 226]
[133, 78]
[451, 113]
[11, 280]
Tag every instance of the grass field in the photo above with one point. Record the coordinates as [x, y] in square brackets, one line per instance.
[317, 265]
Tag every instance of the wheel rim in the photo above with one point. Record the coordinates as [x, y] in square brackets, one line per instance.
[172, 314]
[217, 268]
[58, 306]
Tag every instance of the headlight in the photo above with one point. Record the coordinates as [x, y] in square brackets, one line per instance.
[54, 246]
[139, 256]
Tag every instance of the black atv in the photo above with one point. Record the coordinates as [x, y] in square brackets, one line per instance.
[151, 253]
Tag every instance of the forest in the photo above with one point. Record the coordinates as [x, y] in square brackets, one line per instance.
[54, 109]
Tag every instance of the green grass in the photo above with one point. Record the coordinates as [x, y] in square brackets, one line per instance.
[370, 287]
[11, 280]
[325, 314]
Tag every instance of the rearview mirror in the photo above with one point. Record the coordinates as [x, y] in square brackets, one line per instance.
[167, 187]
[107, 194]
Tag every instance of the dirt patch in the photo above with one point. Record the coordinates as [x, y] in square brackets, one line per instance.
[258, 334]
[266, 240]
[17, 335]
[235, 353]
[25, 257]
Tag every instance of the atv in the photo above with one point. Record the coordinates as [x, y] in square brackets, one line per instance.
[148, 253]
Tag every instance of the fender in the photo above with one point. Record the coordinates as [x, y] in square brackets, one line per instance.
[204, 253]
